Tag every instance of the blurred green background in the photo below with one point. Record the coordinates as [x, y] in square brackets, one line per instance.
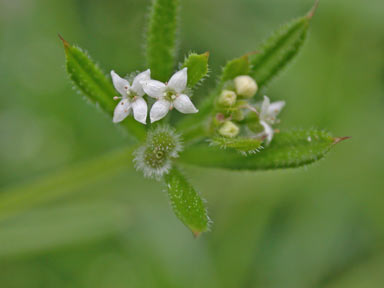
[322, 226]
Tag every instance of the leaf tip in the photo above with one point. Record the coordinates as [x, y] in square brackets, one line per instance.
[340, 139]
[206, 54]
[312, 12]
[65, 42]
[196, 233]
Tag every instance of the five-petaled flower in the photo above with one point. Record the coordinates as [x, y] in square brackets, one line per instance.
[132, 97]
[268, 114]
[169, 95]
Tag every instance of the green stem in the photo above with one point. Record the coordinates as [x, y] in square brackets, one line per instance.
[58, 184]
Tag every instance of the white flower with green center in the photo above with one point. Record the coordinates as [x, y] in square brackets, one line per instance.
[169, 95]
[268, 116]
[131, 97]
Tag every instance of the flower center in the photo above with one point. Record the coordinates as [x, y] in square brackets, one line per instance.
[170, 95]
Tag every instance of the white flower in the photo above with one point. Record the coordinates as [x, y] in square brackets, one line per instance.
[132, 97]
[268, 116]
[169, 95]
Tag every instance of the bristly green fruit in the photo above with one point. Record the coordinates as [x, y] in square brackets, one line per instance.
[186, 202]
[287, 150]
[278, 50]
[92, 82]
[197, 65]
[161, 38]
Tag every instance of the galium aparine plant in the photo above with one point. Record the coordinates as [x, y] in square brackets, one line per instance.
[233, 127]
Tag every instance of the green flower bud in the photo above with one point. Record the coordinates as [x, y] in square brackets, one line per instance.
[227, 98]
[229, 129]
[245, 86]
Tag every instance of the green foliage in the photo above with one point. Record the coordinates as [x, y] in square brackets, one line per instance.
[197, 65]
[186, 202]
[61, 183]
[240, 144]
[287, 150]
[235, 67]
[278, 50]
[93, 83]
[38, 229]
[161, 38]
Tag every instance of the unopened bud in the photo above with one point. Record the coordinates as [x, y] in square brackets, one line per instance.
[229, 129]
[245, 86]
[227, 98]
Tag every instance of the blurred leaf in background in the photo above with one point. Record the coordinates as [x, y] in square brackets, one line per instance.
[321, 227]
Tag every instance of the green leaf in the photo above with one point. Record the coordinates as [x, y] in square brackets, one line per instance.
[287, 150]
[279, 49]
[197, 65]
[186, 202]
[235, 67]
[93, 83]
[241, 144]
[161, 38]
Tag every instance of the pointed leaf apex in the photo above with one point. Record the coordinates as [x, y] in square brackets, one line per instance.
[65, 43]
[340, 139]
[206, 54]
[196, 234]
[312, 12]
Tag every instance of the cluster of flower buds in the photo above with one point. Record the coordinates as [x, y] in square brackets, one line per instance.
[236, 115]
[169, 95]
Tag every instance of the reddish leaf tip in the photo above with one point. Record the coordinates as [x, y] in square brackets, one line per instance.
[313, 10]
[66, 44]
[196, 233]
[206, 54]
[340, 139]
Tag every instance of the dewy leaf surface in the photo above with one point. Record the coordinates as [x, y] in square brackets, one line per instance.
[287, 150]
[93, 83]
[278, 50]
[161, 38]
[197, 65]
[186, 202]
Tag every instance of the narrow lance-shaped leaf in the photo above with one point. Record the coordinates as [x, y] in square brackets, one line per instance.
[287, 150]
[197, 65]
[279, 49]
[93, 83]
[161, 38]
[186, 202]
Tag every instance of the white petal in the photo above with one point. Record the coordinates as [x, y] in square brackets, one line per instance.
[159, 110]
[121, 85]
[178, 81]
[275, 108]
[154, 88]
[265, 108]
[122, 110]
[268, 131]
[140, 110]
[184, 105]
[136, 85]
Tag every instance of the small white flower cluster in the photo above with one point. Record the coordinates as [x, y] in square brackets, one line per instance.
[231, 102]
[168, 95]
